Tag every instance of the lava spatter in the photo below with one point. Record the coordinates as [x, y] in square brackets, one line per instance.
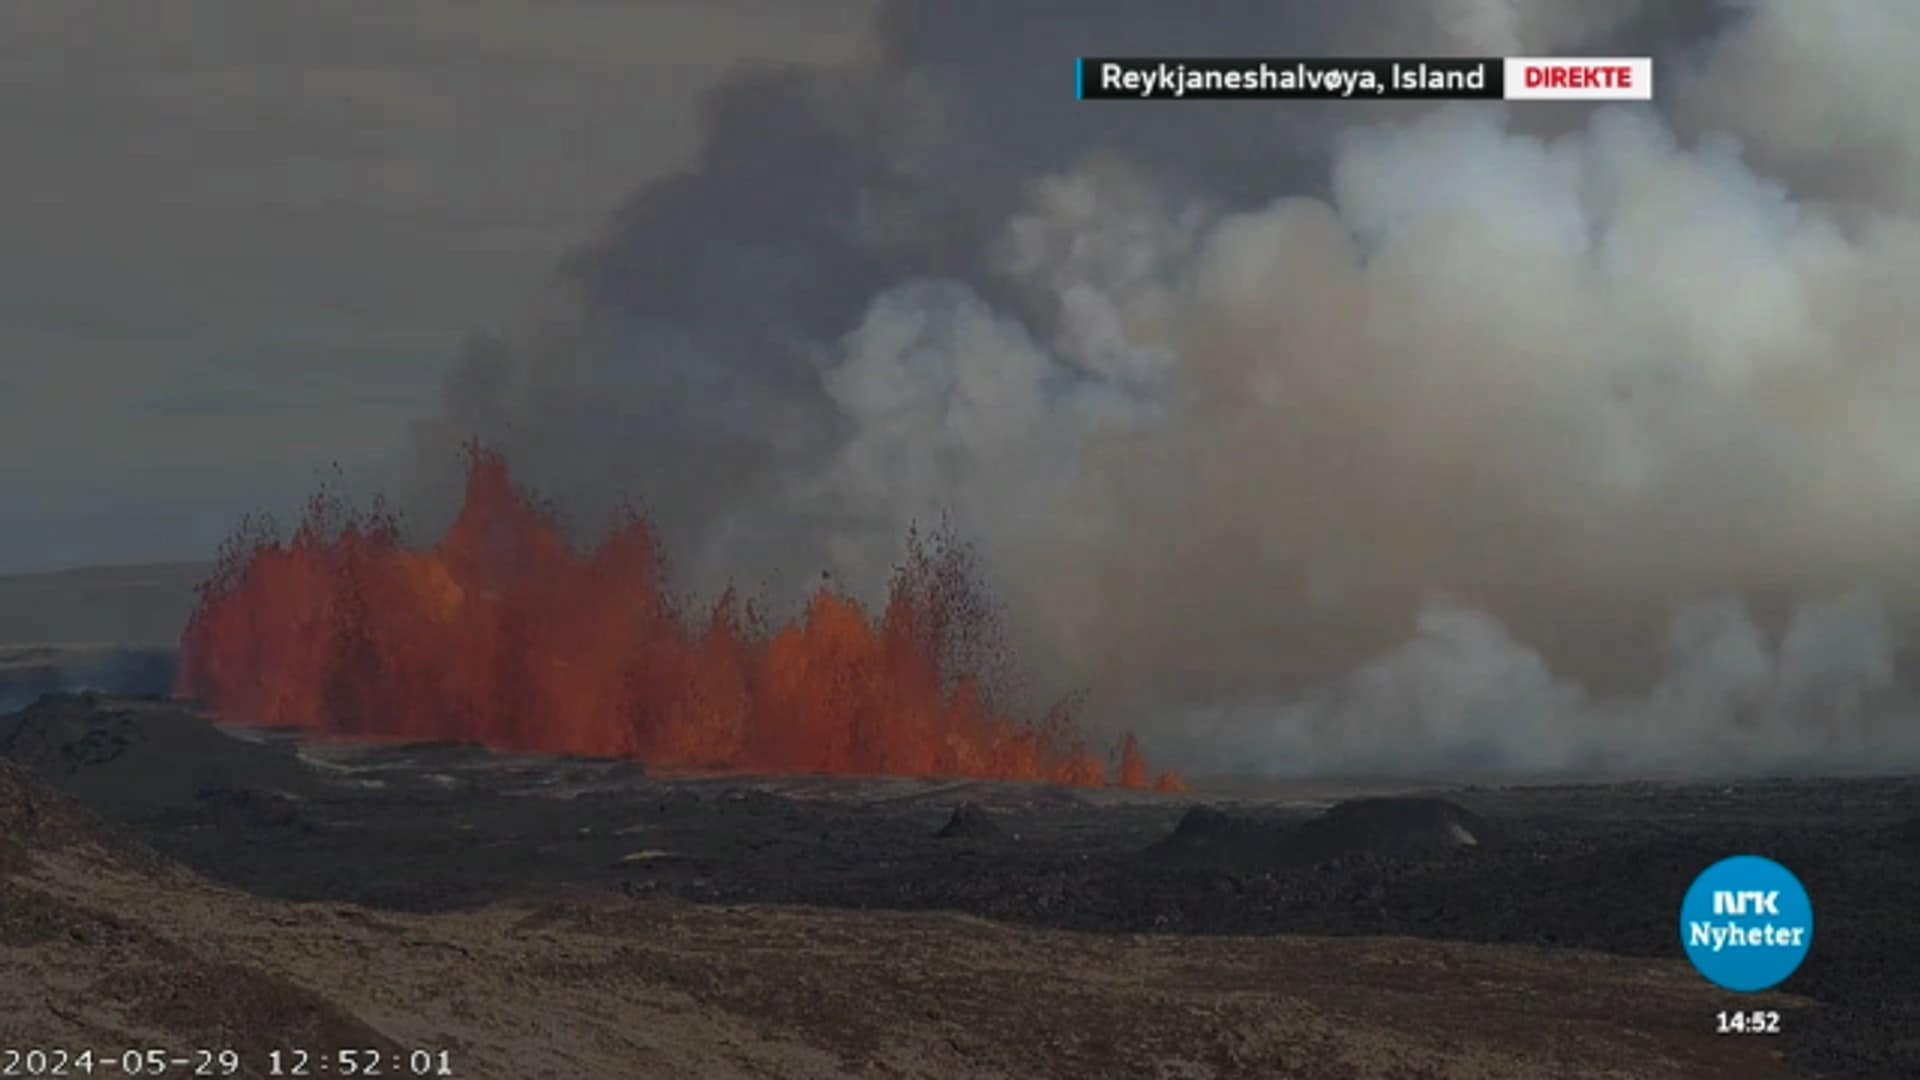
[504, 634]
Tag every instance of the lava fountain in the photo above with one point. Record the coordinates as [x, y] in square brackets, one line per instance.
[504, 634]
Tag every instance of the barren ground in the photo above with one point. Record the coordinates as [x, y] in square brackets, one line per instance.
[563, 918]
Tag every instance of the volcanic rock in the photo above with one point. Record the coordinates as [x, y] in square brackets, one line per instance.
[121, 755]
[970, 821]
[1205, 825]
[133, 975]
[1395, 828]
[36, 818]
[1210, 835]
[250, 808]
[1405, 828]
[32, 815]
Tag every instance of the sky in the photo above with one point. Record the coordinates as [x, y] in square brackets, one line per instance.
[246, 241]
[1307, 435]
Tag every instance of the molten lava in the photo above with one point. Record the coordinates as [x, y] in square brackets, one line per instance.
[505, 635]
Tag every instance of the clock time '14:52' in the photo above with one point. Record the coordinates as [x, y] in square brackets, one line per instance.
[360, 1063]
[1755, 1022]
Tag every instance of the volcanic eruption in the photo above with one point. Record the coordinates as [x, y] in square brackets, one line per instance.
[505, 634]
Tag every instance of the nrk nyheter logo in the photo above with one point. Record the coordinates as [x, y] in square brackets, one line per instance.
[1746, 923]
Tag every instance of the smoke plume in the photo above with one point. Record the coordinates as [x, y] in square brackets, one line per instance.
[1305, 436]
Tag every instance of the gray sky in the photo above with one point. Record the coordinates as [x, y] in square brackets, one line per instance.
[245, 239]
[1307, 435]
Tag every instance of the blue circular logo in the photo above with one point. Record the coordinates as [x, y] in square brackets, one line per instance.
[1746, 923]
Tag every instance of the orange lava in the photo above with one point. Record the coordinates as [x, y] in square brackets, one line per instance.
[505, 635]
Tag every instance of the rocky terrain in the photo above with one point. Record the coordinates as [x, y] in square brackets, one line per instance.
[175, 884]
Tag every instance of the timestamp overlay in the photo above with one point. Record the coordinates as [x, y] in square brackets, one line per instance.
[78, 1061]
[27, 1060]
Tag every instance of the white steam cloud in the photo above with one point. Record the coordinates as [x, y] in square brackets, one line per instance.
[1463, 696]
[1473, 439]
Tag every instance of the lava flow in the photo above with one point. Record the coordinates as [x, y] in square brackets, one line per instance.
[505, 635]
